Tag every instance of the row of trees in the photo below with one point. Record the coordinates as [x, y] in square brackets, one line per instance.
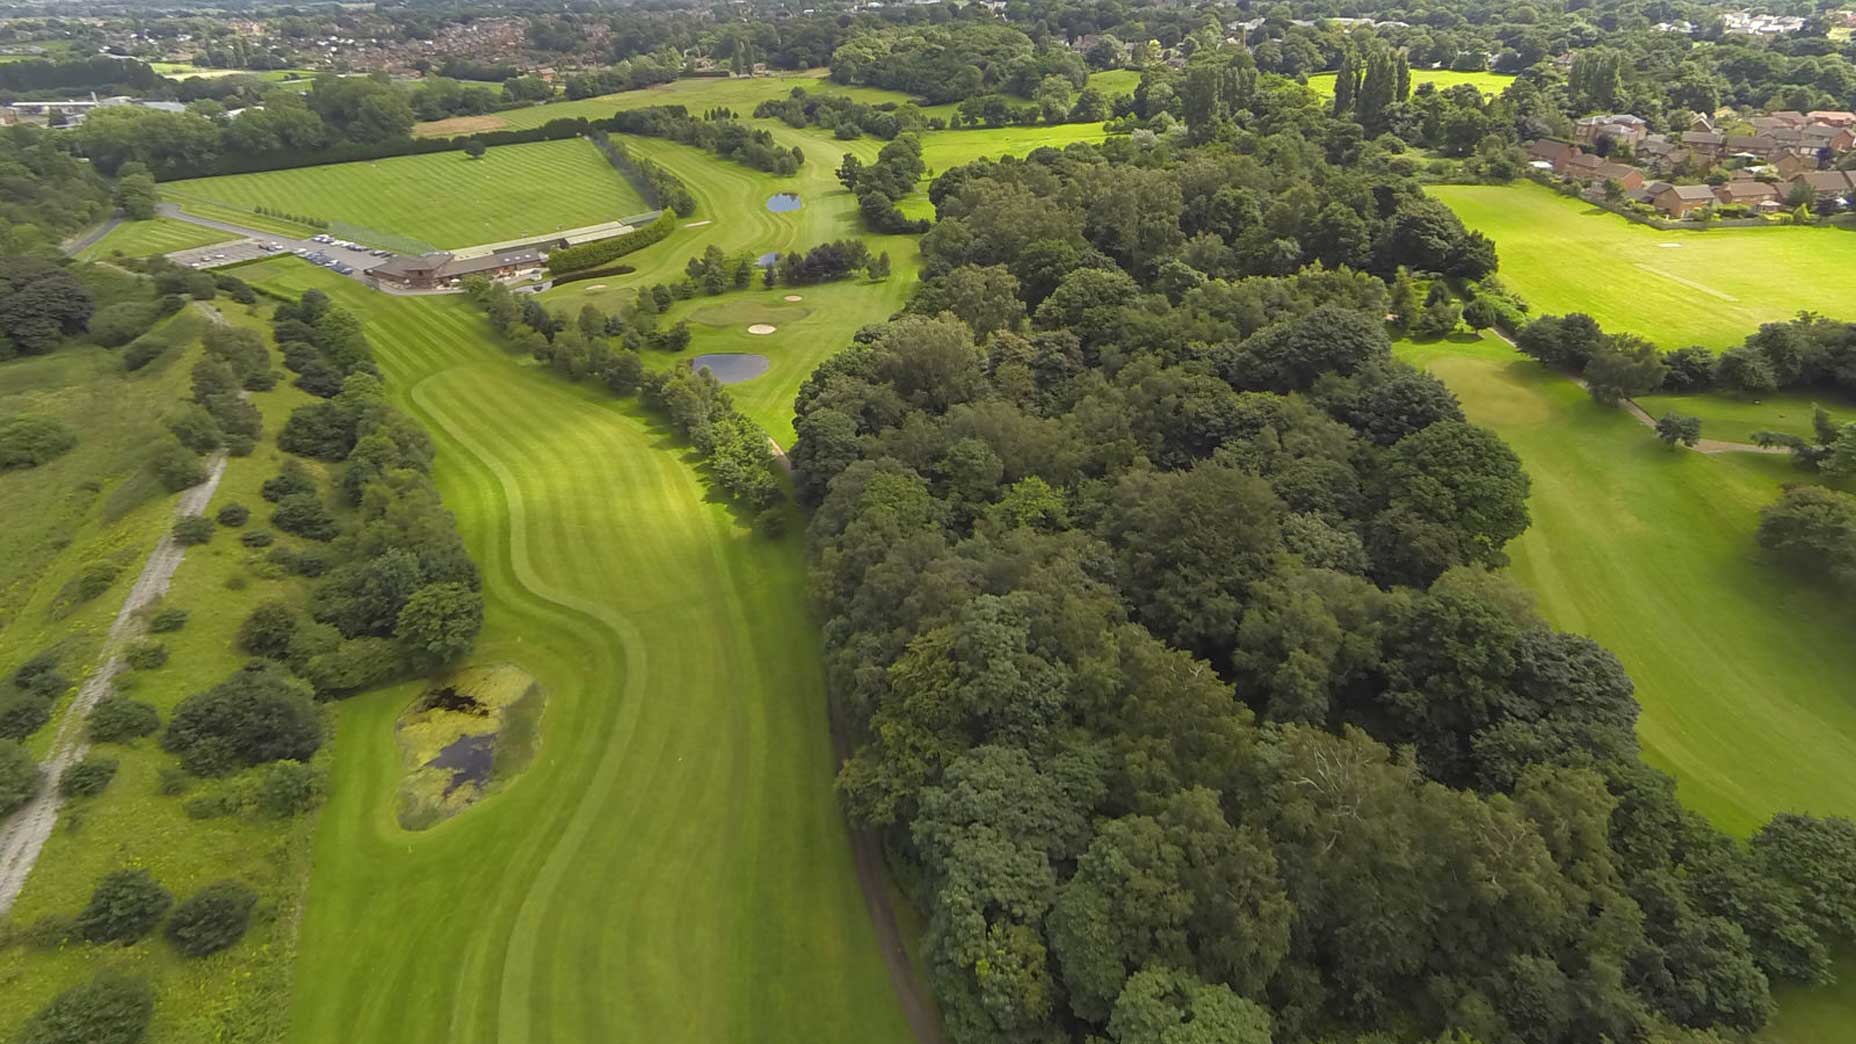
[720, 134]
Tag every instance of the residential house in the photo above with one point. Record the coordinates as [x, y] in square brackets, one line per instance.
[1678, 201]
[1832, 117]
[1758, 146]
[1629, 177]
[1706, 145]
[1555, 153]
[1748, 192]
[1791, 164]
[1621, 128]
[1824, 184]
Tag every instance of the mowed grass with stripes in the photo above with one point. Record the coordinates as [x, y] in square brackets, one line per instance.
[674, 866]
[444, 198]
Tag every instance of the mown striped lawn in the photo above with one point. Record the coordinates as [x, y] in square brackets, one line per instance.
[444, 198]
[155, 236]
[674, 867]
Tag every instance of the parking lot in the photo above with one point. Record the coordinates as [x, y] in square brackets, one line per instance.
[220, 254]
[348, 259]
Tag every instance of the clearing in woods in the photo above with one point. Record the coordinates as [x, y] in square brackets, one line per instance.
[674, 867]
[1709, 287]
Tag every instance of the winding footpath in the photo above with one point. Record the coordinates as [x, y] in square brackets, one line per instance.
[1708, 446]
[23, 836]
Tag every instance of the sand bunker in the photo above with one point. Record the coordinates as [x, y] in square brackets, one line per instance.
[792, 297]
[595, 286]
[696, 224]
[762, 328]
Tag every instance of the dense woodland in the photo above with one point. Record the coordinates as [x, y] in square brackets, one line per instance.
[1158, 602]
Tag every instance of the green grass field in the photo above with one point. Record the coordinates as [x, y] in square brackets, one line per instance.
[674, 866]
[1742, 669]
[1735, 419]
[156, 236]
[1708, 287]
[443, 198]
[1443, 79]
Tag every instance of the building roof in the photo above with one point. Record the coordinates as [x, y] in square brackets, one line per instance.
[1823, 180]
[404, 266]
[1702, 138]
[1691, 193]
[491, 262]
[1619, 171]
[1744, 191]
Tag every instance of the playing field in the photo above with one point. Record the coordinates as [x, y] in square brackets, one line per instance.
[444, 198]
[155, 236]
[674, 867]
[1710, 287]
[1442, 79]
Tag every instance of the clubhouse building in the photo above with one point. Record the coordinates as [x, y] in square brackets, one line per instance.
[443, 269]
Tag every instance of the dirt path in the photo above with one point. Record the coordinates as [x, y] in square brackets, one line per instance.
[23, 836]
[873, 877]
[1709, 446]
[780, 455]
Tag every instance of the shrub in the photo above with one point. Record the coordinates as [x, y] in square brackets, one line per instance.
[95, 579]
[212, 919]
[171, 780]
[267, 631]
[294, 478]
[112, 1008]
[27, 442]
[256, 538]
[146, 655]
[118, 719]
[177, 467]
[304, 515]
[257, 715]
[288, 788]
[196, 429]
[143, 352]
[116, 325]
[240, 444]
[87, 778]
[24, 715]
[191, 530]
[233, 514]
[19, 777]
[126, 905]
[167, 620]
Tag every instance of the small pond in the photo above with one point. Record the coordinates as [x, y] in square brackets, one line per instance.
[783, 202]
[767, 259]
[731, 367]
[468, 759]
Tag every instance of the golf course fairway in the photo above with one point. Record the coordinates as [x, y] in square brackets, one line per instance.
[673, 866]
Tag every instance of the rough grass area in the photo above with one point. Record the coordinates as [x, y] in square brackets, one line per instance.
[444, 198]
[1710, 287]
[456, 740]
[674, 867]
[1442, 79]
[155, 236]
[241, 995]
[734, 310]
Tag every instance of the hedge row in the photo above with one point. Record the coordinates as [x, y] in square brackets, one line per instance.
[593, 273]
[589, 255]
[251, 163]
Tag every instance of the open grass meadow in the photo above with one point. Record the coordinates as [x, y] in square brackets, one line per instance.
[1489, 83]
[674, 866]
[1710, 287]
[155, 236]
[1735, 419]
[443, 198]
[1742, 669]
[240, 994]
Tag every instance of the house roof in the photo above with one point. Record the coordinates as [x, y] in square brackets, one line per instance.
[1702, 138]
[1619, 171]
[1691, 193]
[404, 266]
[1823, 180]
[1742, 191]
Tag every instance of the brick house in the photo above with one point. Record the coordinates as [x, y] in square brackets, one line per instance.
[1678, 201]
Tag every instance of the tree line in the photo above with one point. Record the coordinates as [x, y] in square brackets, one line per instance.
[717, 132]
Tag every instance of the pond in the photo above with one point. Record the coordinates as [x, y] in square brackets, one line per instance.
[783, 202]
[731, 367]
[468, 758]
[767, 259]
